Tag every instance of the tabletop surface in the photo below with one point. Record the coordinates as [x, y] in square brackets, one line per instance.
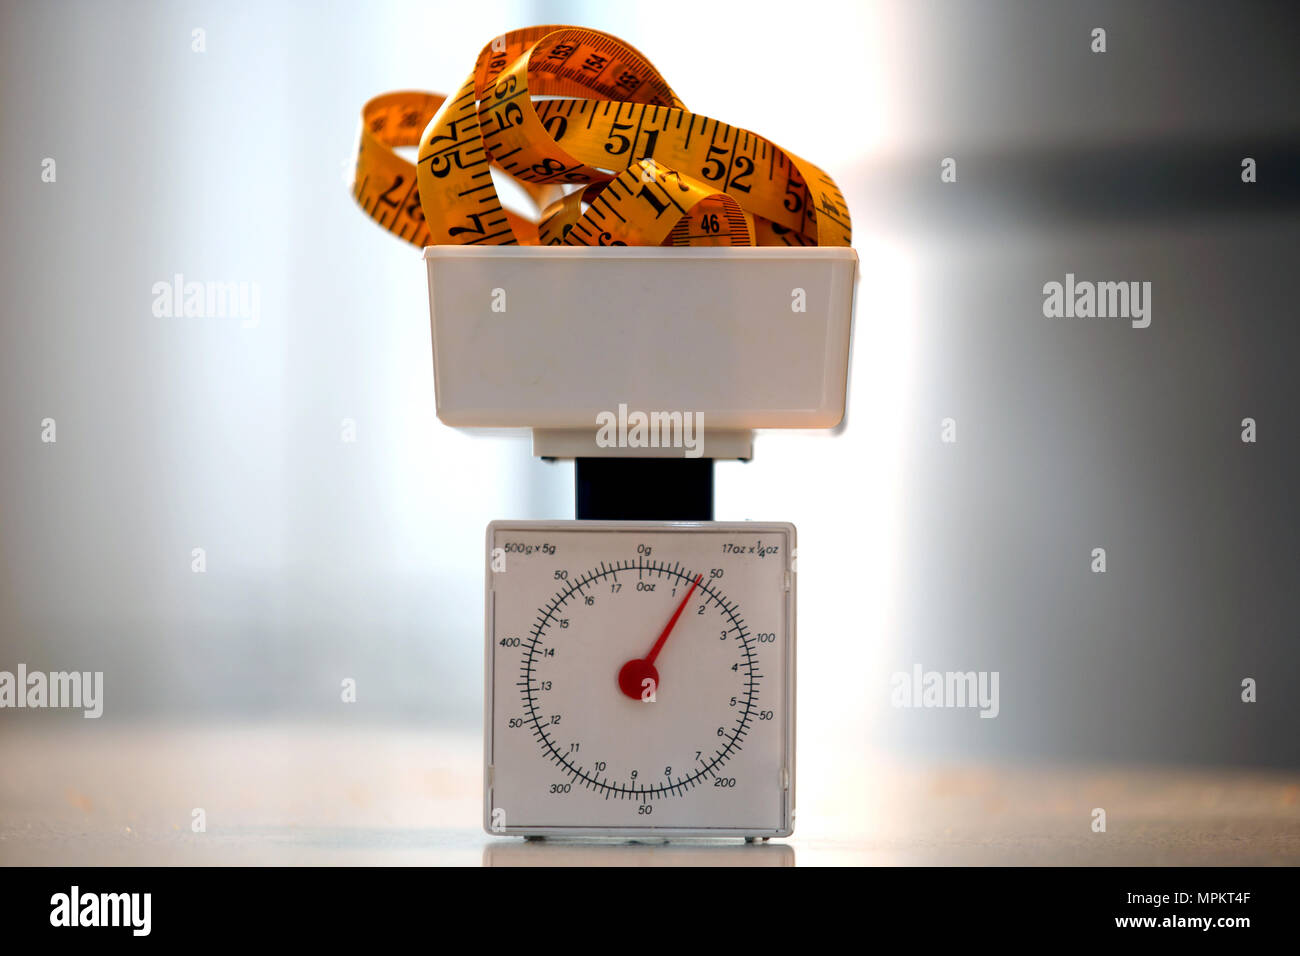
[376, 795]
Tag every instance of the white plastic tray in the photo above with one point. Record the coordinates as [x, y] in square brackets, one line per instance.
[707, 330]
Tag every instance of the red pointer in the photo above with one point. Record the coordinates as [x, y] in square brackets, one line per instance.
[635, 672]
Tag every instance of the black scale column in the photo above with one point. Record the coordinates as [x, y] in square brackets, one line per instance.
[644, 489]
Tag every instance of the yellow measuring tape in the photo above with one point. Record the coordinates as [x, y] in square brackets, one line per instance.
[602, 145]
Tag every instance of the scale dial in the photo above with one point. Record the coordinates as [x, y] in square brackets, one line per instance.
[640, 679]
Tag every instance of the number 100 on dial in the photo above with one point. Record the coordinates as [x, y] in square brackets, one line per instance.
[640, 679]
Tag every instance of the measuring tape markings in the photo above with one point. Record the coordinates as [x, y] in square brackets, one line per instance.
[693, 181]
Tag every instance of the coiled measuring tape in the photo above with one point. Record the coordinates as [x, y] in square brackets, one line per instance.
[602, 145]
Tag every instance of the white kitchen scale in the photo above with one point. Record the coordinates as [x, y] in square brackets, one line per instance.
[640, 660]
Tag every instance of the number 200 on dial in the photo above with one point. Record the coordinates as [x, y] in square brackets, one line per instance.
[640, 679]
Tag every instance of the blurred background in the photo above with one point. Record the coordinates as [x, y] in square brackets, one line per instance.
[328, 559]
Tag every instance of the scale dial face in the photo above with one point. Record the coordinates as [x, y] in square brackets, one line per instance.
[640, 678]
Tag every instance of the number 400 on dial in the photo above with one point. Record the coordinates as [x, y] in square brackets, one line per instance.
[640, 679]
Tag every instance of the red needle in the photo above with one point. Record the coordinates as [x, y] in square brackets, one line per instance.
[633, 675]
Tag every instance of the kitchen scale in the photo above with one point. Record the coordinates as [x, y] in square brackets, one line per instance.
[640, 659]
